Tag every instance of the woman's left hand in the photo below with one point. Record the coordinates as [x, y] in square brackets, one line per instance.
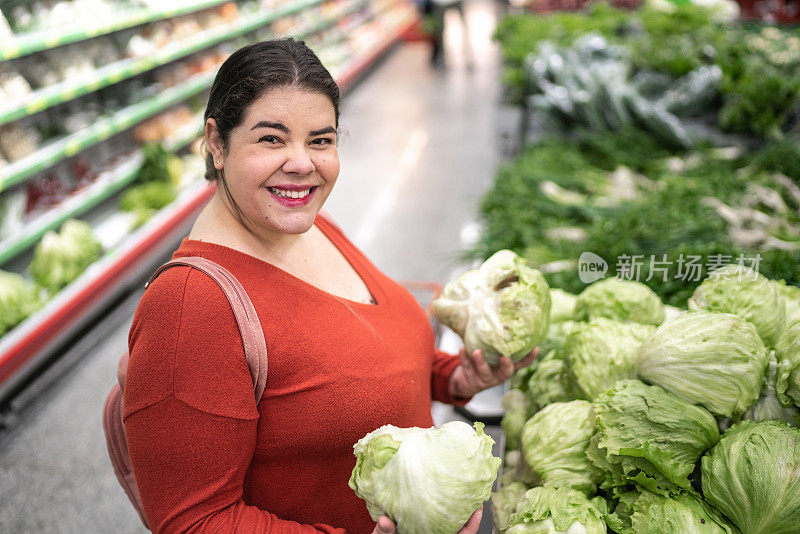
[474, 374]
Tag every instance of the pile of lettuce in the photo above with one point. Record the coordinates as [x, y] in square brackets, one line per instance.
[642, 419]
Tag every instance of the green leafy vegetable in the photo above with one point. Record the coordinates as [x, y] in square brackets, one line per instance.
[648, 437]
[651, 513]
[555, 511]
[622, 300]
[598, 354]
[425, 479]
[59, 258]
[515, 405]
[753, 477]
[743, 292]
[502, 308]
[716, 360]
[554, 443]
[18, 299]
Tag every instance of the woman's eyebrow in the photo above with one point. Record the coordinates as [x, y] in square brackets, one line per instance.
[274, 125]
[327, 129]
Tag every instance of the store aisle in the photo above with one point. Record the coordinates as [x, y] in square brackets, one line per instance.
[421, 146]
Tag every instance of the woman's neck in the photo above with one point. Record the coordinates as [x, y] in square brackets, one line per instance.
[217, 223]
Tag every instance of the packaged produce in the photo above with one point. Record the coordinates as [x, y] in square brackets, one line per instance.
[410, 475]
[503, 307]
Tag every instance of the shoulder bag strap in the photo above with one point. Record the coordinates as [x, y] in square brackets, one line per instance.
[255, 348]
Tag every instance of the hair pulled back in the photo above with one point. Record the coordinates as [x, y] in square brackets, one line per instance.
[255, 69]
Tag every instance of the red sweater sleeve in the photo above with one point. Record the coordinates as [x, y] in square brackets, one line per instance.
[190, 412]
[443, 366]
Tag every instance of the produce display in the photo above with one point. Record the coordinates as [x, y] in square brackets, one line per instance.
[427, 480]
[647, 428]
[701, 172]
[59, 258]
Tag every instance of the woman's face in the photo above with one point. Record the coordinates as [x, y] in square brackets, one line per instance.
[282, 162]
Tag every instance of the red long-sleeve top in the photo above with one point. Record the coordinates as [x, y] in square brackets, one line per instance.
[207, 458]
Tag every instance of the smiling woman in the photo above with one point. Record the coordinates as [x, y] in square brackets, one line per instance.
[349, 349]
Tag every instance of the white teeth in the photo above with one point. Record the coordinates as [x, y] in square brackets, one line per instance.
[289, 194]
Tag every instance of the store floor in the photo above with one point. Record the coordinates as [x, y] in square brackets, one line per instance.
[420, 147]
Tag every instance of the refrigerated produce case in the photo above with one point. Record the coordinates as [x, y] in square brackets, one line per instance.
[79, 101]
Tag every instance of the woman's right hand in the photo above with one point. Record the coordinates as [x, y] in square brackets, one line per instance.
[385, 525]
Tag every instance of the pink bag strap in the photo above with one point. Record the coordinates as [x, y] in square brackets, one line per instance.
[255, 348]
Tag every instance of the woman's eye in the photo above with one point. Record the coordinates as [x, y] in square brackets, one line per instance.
[322, 141]
[269, 139]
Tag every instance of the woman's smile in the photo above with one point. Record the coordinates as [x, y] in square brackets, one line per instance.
[292, 196]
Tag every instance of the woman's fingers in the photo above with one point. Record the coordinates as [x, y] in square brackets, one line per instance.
[527, 360]
[473, 524]
[384, 526]
[482, 367]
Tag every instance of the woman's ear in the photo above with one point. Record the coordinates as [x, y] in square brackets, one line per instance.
[214, 142]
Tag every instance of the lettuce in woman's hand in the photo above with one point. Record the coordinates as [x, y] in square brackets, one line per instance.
[502, 308]
[427, 480]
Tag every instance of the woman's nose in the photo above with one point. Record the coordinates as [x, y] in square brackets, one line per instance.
[298, 162]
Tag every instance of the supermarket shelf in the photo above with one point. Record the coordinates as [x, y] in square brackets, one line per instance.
[34, 341]
[21, 170]
[28, 346]
[349, 73]
[106, 186]
[29, 43]
[103, 188]
[127, 68]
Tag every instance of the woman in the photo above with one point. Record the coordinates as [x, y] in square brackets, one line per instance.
[349, 349]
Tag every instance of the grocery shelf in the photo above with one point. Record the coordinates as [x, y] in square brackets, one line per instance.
[105, 186]
[21, 170]
[349, 72]
[29, 43]
[35, 339]
[127, 68]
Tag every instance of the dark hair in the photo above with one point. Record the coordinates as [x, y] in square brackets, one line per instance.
[255, 69]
